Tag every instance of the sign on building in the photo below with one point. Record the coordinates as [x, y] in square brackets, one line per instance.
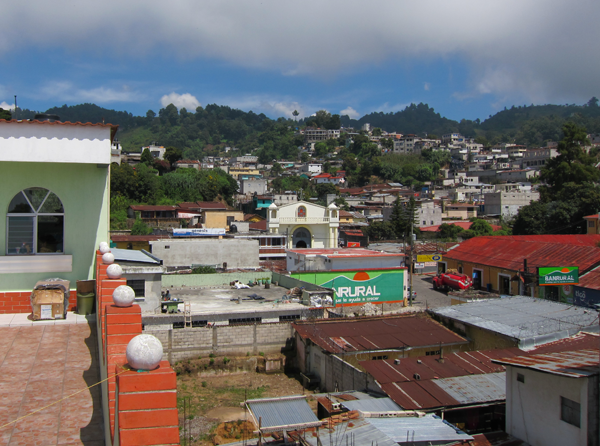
[198, 232]
[359, 287]
[429, 258]
[559, 275]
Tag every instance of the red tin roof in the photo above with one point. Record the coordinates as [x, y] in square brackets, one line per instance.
[590, 280]
[147, 207]
[508, 252]
[357, 335]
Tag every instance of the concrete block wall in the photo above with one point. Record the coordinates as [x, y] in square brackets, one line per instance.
[186, 343]
[219, 279]
[341, 376]
[139, 408]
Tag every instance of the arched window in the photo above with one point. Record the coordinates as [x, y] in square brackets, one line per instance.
[35, 222]
[301, 212]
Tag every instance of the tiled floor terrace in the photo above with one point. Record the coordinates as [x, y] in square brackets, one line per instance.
[43, 362]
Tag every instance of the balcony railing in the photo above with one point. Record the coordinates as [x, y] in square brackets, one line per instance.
[304, 220]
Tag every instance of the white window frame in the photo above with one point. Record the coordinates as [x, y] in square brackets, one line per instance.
[35, 216]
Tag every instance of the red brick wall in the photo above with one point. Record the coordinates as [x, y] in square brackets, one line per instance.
[147, 401]
[19, 301]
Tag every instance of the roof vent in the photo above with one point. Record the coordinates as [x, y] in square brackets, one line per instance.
[396, 361]
[46, 117]
[417, 376]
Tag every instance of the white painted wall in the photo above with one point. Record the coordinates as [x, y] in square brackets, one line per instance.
[55, 143]
[533, 408]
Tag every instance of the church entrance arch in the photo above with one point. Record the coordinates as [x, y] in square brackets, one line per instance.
[301, 238]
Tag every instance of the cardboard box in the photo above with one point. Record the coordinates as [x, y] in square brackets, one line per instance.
[48, 304]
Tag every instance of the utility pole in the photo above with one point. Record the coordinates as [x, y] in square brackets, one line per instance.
[412, 257]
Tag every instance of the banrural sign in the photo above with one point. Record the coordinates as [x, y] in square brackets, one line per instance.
[559, 275]
[359, 287]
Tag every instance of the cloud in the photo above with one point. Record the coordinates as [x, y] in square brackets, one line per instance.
[6, 106]
[68, 92]
[185, 100]
[536, 49]
[426, 86]
[353, 114]
[271, 105]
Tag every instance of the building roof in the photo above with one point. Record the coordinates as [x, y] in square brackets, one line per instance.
[576, 364]
[187, 162]
[210, 205]
[113, 127]
[132, 255]
[352, 232]
[148, 207]
[580, 341]
[342, 253]
[473, 389]
[591, 217]
[529, 320]
[508, 252]
[463, 224]
[591, 279]
[421, 430]
[372, 405]
[260, 225]
[383, 333]
[292, 412]
[136, 238]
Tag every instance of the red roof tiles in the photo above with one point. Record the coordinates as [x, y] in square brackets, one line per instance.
[508, 252]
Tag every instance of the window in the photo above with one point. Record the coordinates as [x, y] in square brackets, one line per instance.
[301, 212]
[570, 411]
[35, 222]
[591, 224]
[521, 378]
[138, 286]
[433, 353]
[374, 358]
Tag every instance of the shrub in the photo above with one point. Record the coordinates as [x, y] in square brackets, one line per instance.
[204, 384]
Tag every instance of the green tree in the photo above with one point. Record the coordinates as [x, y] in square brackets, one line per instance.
[304, 157]
[376, 131]
[276, 170]
[172, 155]
[449, 231]
[404, 216]
[140, 228]
[295, 114]
[572, 165]
[5, 114]
[147, 157]
[380, 230]
[481, 227]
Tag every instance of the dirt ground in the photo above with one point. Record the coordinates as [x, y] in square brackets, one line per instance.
[212, 400]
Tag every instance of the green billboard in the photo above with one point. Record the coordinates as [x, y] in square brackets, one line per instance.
[559, 275]
[359, 287]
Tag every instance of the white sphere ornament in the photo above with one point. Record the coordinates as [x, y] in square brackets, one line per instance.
[144, 352]
[123, 296]
[114, 271]
[108, 258]
[104, 248]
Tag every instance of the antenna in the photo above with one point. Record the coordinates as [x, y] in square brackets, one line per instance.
[15, 106]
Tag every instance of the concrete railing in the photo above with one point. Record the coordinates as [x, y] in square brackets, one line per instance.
[304, 220]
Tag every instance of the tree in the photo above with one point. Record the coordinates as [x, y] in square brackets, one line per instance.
[5, 114]
[147, 157]
[295, 114]
[403, 217]
[572, 165]
[481, 227]
[381, 230]
[304, 157]
[172, 155]
[276, 169]
[376, 131]
[140, 228]
[448, 231]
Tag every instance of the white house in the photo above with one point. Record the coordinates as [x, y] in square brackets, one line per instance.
[552, 399]
[306, 225]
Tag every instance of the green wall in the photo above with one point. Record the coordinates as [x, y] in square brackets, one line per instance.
[84, 192]
[381, 285]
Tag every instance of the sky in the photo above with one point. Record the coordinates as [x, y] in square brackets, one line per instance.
[466, 59]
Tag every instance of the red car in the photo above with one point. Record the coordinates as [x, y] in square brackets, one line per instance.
[452, 280]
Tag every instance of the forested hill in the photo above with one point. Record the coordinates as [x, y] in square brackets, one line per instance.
[418, 119]
[214, 125]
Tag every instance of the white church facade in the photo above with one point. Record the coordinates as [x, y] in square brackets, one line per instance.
[305, 225]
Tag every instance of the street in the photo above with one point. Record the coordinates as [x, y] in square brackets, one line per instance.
[427, 297]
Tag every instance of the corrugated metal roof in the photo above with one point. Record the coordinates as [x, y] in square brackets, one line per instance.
[136, 238]
[357, 432]
[293, 412]
[131, 255]
[148, 207]
[508, 252]
[523, 318]
[581, 341]
[352, 335]
[591, 280]
[472, 389]
[409, 430]
[372, 405]
[577, 364]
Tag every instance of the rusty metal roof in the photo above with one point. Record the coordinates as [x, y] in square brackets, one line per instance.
[508, 252]
[378, 333]
[581, 341]
[591, 279]
[577, 364]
